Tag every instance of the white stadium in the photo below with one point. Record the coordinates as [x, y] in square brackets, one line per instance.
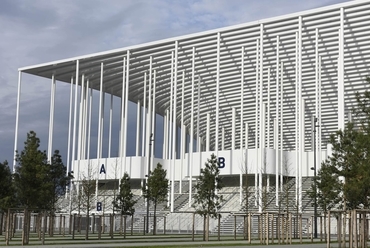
[263, 96]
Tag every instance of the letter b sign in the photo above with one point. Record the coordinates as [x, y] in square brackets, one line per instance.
[98, 206]
[221, 162]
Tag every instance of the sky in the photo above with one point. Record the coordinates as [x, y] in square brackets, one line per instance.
[39, 31]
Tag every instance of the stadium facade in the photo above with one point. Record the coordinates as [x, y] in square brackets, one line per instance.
[262, 96]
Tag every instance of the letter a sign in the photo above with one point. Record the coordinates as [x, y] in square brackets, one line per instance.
[102, 169]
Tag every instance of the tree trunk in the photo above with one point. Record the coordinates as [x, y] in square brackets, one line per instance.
[207, 228]
[124, 226]
[1, 223]
[154, 218]
[87, 225]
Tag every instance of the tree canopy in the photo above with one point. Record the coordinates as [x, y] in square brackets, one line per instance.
[156, 189]
[125, 202]
[344, 177]
[7, 198]
[38, 183]
[206, 199]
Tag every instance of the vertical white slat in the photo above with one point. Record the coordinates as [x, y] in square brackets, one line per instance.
[127, 82]
[51, 117]
[144, 133]
[138, 127]
[191, 148]
[217, 93]
[341, 72]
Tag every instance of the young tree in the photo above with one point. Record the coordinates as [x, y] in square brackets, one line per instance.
[206, 200]
[58, 180]
[6, 187]
[157, 189]
[349, 164]
[31, 175]
[87, 199]
[125, 202]
[7, 197]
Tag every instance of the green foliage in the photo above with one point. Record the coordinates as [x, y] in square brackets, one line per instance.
[206, 200]
[58, 180]
[38, 183]
[330, 188]
[157, 188]
[344, 178]
[7, 198]
[125, 200]
[31, 175]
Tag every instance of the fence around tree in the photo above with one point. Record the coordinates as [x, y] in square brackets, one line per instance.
[349, 227]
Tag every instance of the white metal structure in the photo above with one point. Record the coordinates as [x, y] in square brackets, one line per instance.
[246, 93]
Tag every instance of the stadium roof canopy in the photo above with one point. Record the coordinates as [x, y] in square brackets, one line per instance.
[217, 59]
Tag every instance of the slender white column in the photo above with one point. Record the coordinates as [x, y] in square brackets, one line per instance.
[89, 124]
[153, 119]
[69, 127]
[173, 143]
[317, 83]
[256, 126]
[100, 124]
[276, 132]
[75, 117]
[301, 139]
[198, 116]
[282, 126]
[242, 167]
[317, 72]
[149, 121]
[276, 147]
[110, 126]
[246, 137]
[242, 99]
[261, 117]
[268, 107]
[174, 129]
[100, 127]
[302, 149]
[165, 134]
[262, 120]
[127, 82]
[153, 113]
[17, 120]
[208, 132]
[143, 137]
[217, 93]
[138, 125]
[233, 118]
[51, 118]
[183, 131]
[341, 72]
[223, 138]
[319, 116]
[122, 115]
[297, 118]
[191, 148]
[171, 110]
[261, 158]
[80, 117]
[69, 169]
[85, 115]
